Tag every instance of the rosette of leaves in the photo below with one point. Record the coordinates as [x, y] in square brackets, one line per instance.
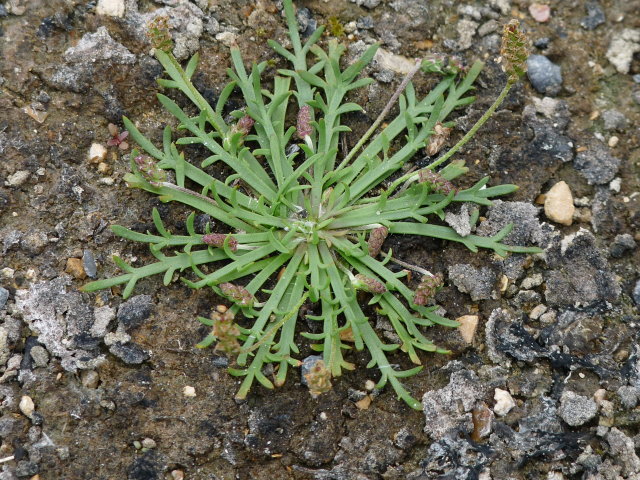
[299, 223]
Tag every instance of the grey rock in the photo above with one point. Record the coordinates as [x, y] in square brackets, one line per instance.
[576, 409]
[9, 239]
[628, 396]
[466, 31]
[102, 318]
[596, 163]
[306, 23]
[26, 468]
[34, 242]
[622, 244]
[61, 319]
[524, 217]
[595, 16]
[4, 296]
[450, 407]
[404, 439]
[89, 264]
[623, 449]
[602, 211]
[384, 76]
[636, 78]
[129, 353]
[365, 23]
[135, 311]
[578, 273]
[99, 46]
[488, 27]
[544, 75]
[40, 356]
[370, 4]
[577, 331]
[614, 120]
[8, 424]
[460, 221]
[477, 282]
[542, 43]
[636, 293]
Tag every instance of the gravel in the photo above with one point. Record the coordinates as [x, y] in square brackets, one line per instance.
[622, 244]
[4, 296]
[135, 311]
[129, 353]
[595, 16]
[477, 282]
[544, 75]
[576, 409]
[596, 163]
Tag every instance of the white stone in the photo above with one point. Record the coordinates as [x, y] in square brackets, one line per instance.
[97, 153]
[467, 328]
[504, 402]
[189, 391]
[227, 38]
[622, 48]
[102, 317]
[112, 8]
[17, 178]
[26, 406]
[558, 204]
[390, 61]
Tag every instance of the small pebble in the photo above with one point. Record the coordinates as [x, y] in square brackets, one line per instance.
[504, 402]
[90, 379]
[177, 475]
[26, 406]
[636, 293]
[75, 269]
[39, 355]
[17, 179]
[111, 8]
[137, 445]
[4, 296]
[544, 75]
[189, 391]
[467, 328]
[148, 443]
[97, 153]
[364, 403]
[613, 141]
[540, 12]
[576, 409]
[89, 264]
[558, 204]
[537, 312]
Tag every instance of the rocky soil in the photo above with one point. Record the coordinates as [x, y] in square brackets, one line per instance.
[544, 381]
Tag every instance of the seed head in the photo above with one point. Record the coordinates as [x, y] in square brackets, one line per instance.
[218, 239]
[238, 294]
[376, 239]
[438, 183]
[368, 284]
[427, 288]
[437, 139]
[244, 125]
[226, 332]
[304, 122]
[158, 33]
[514, 51]
[318, 379]
[150, 170]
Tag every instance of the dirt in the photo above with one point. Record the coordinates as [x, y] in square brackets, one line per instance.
[65, 206]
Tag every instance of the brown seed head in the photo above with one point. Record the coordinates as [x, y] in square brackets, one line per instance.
[368, 284]
[427, 288]
[304, 122]
[158, 34]
[238, 294]
[376, 239]
[438, 183]
[514, 51]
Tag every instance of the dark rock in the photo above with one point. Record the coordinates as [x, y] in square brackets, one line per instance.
[146, 467]
[27, 361]
[89, 264]
[364, 23]
[306, 23]
[477, 282]
[603, 214]
[542, 43]
[578, 273]
[596, 163]
[135, 311]
[129, 353]
[544, 75]
[200, 223]
[4, 296]
[404, 439]
[621, 245]
[595, 16]
[26, 468]
[576, 331]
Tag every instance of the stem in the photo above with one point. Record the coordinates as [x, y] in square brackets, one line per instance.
[383, 114]
[483, 119]
[415, 268]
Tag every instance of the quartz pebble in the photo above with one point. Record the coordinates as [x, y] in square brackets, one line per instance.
[189, 391]
[504, 402]
[26, 406]
[467, 328]
[558, 204]
[540, 12]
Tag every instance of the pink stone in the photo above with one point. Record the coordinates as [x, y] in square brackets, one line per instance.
[540, 12]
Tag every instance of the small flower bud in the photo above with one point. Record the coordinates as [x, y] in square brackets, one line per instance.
[226, 332]
[217, 240]
[238, 294]
[514, 51]
[318, 379]
[438, 183]
[244, 125]
[368, 284]
[427, 288]
[150, 170]
[158, 33]
[376, 239]
[304, 122]
[437, 139]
